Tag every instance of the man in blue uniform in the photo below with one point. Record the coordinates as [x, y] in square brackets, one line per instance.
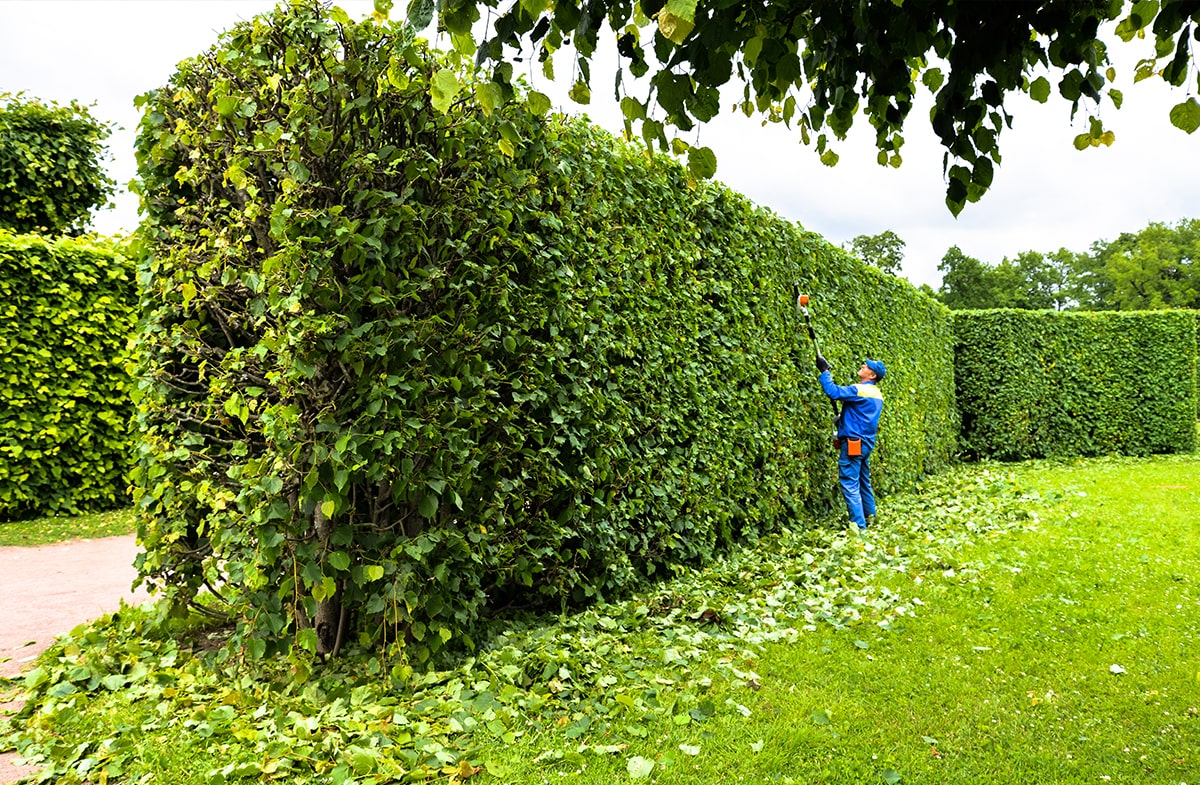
[857, 426]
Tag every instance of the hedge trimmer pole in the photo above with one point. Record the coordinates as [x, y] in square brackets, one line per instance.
[802, 304]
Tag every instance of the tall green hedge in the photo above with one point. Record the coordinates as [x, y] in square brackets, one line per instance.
[410, 356]
[66, 314]
[1042, 384]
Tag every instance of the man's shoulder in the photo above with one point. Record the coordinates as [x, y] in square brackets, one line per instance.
[866, 390]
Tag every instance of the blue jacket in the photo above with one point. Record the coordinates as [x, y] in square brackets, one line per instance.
[862, 404]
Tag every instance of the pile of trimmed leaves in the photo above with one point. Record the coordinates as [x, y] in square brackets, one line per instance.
[583, 684]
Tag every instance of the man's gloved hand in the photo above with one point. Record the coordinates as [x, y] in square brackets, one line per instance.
[822, 364]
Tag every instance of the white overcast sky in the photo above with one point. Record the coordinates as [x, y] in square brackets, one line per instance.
[1046, 194]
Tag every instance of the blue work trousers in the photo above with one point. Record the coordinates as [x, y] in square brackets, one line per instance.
[854, 475]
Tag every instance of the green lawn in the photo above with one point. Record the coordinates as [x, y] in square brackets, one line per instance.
[1035, 623]
[45, 531]
[1068, 653]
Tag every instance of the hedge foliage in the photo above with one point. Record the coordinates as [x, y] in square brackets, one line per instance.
[412, 355]
[67, 310]
[51, 166]
[1043, 384]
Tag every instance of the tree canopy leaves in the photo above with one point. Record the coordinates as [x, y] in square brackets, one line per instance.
[1158, 267]
[51, 166]
[815, 66]
[884, 250]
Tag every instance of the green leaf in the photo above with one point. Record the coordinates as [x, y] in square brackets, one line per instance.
[752, 49]
[1186, 116]
[420, 13]
[1144, 70]
[362, 759]
[510, 132]
[1083, 141]
[820, 717]
[339, 560]
[933, 79]
[324, 589]
[684, 9]
[233, 405]
[633, 109]
[227, 105]
[298, 171]
[891, 776]
[490, 96]
[307, 639]
[580, 93]
[538, 103]
[1071, 84]
[702, 162]
[673, 27]
[36, 678]
[1039, 90]
[639, 768]
[113, 681]
[328, 508]
[236, 175]
[374, 572]
[429, 505]
[444, 88]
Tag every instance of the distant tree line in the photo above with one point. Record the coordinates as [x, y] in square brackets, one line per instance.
[1157, 267]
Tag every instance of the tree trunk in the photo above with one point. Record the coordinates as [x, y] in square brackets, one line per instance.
[330, 616]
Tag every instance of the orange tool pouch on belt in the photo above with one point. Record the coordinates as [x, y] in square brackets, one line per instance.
[854, 447]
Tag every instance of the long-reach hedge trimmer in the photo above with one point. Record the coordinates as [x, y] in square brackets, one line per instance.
[802, 306]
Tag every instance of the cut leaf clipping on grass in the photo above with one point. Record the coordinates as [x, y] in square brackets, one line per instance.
[639, 768]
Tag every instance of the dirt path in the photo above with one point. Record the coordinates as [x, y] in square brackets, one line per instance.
[48, 591]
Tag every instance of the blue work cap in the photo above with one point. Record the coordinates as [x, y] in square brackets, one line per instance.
[877, 367]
